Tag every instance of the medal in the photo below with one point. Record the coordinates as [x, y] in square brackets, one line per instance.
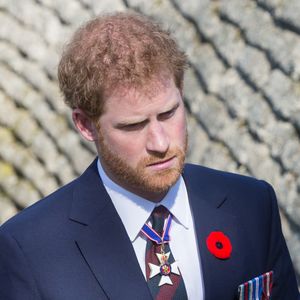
[164, 268]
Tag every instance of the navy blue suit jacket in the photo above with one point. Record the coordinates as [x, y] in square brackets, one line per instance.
[72, 244]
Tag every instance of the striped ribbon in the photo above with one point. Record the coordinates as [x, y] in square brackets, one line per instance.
[259, 288]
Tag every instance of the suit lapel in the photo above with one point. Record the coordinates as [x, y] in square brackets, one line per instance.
[207, 196]
[103, 241]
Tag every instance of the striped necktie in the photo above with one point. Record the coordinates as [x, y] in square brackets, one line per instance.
[172, 285]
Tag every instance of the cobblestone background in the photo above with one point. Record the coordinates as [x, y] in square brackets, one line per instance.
[242, 94]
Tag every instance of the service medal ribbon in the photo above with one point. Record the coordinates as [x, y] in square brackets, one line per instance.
[258, 288]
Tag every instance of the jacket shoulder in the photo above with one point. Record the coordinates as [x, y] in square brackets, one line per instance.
[196, 172]
[54, 204]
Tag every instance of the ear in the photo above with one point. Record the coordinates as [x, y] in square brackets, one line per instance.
[84, 124]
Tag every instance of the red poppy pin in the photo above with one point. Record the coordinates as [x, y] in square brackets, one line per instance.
[219, 245]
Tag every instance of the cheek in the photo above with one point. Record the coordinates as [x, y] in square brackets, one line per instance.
[178, 130]
[127, 147]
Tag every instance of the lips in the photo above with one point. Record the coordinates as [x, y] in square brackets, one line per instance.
[161, 162]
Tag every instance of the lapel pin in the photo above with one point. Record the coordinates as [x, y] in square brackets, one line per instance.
[219, 245]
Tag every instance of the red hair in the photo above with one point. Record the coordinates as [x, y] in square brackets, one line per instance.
[117, 50]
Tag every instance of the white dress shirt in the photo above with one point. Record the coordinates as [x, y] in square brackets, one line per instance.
[134, 211]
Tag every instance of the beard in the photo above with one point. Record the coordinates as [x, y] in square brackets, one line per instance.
[140, 178]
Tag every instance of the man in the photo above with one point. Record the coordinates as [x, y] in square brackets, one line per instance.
[102, 235]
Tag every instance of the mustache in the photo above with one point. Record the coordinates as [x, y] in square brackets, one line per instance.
[155, 158]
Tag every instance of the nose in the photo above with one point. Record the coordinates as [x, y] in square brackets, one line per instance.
[157, 138]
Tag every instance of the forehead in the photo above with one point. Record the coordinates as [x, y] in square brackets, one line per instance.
[160, 92]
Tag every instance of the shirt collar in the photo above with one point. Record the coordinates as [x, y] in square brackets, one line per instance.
[134, 210]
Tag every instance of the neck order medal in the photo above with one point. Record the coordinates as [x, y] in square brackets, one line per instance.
[164, 268]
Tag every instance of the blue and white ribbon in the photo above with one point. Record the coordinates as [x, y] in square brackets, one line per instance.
[151, 234]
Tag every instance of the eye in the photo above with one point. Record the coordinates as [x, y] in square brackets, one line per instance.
[168, 114]
[133, 126]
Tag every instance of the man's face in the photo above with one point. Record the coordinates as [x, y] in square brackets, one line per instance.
[142, 138]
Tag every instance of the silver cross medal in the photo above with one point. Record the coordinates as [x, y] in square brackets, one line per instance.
[164, 269]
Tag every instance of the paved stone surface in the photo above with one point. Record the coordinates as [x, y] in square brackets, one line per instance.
[242, 93]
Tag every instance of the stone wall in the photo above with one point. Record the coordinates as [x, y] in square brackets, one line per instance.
[241, 92]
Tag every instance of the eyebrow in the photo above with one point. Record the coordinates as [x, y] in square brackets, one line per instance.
[173, 108]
